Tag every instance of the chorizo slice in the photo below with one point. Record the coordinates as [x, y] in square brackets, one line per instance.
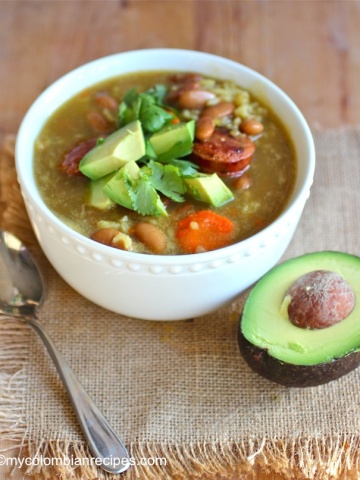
[224, 154]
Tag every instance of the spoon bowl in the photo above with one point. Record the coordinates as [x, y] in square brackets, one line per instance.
[21, 284]
[21, 294]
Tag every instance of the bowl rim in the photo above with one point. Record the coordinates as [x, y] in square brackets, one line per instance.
[228, 251]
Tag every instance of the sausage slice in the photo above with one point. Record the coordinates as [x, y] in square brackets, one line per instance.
[224, 154]
[70, 163]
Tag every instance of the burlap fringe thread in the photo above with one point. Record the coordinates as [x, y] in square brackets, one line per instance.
[300, 459]
[332, 458]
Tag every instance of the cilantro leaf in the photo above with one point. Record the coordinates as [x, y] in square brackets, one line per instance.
[130, 96]
[166, 179]
[185, 167]
[158, 92]
[146, 107]
[129, 108]
[144, 197]
[152, 116]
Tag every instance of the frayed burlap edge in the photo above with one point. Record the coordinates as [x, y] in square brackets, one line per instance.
[331, 458]
[13, 216]
[13, 357]
[320, 459]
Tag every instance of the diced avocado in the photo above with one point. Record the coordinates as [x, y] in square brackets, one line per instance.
[174, 141]
[291, 355]
[122, 146]
[208, 188]
[116, 189]
[120, 185]
[96, 197]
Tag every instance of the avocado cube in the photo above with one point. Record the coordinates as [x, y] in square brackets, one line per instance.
[116, 188]
[208, 188]
[174, 141]
[96, 197]
[122, 146]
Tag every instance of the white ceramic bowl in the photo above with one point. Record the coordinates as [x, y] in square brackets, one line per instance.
[150, 286]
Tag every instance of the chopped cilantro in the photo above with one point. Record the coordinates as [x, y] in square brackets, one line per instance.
[153, 118]
[185, 167]
[146, 107]
[154, 178]
[129, 108]
[167, 180]
[145, 198]
[159, 92]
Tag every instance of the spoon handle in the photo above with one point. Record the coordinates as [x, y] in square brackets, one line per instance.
[109, 451]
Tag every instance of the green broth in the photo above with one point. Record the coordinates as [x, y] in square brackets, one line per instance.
[272, 172]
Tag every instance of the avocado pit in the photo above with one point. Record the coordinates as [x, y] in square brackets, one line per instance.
[319, 299]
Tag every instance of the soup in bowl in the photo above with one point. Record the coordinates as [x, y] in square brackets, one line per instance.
[160, 191]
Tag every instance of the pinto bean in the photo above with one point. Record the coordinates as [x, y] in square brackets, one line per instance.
[195, 99]
[249, 126]
[205, 127]
[151, 236]
[174, 95]
[97, 121]
[185, 77]
[104, 100]
[112, 238]
[243, 182]
[219, 110]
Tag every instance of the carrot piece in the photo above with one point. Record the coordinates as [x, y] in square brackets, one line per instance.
[204, 230]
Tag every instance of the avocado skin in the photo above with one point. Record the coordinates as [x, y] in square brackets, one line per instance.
[290, 375]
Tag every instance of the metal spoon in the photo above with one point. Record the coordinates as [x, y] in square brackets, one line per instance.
[21, 293]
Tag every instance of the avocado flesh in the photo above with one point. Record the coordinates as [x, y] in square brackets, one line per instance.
[96, 197]
[124, 145]
[173, 141]
[208, 188]
[116, 190]
[265, 323]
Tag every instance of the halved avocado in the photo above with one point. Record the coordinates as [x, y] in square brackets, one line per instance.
[290, 355]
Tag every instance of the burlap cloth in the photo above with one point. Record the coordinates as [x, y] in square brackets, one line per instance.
[180, 390]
